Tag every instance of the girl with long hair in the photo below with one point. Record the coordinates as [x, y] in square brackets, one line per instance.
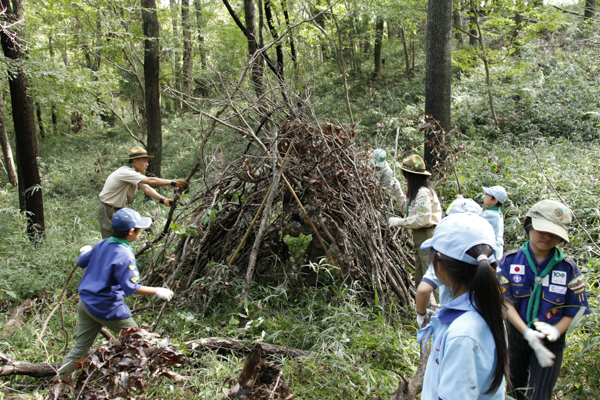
[423, 209]
[469, 356]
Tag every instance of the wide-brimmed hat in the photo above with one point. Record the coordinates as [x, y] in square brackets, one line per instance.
[126, 218]
[378, 158]
[415, 165]
[497, 192]
[551, 216]
[458, 233]
[137, 152]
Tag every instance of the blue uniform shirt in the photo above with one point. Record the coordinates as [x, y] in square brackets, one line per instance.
[446, 293]
[463, 355]
[496, 219]
[111, 274]
[563, 289]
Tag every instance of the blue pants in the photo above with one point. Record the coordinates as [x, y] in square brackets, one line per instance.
[529, 381]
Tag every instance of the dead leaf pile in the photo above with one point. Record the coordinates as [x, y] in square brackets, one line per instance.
[122, 369]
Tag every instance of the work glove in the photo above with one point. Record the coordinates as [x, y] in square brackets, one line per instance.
[85, 249]
[164, 293]
[550, 331]
[165, 201]
[544, 356]
[180, 183]
[394, 221]
[421, 318]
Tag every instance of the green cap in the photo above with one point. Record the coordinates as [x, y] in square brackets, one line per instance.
[551, 216]
[378, 158]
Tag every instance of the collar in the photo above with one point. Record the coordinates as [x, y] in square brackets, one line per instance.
[121, 241]
[495, 208]
[455, 308]
[128, 165]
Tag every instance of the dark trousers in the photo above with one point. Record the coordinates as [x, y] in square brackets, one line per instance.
[529, 381]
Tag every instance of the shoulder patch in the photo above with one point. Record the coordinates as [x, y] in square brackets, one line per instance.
[422, 209]
[503, 280]
[134, 279]
[576, 283]
[131, 267]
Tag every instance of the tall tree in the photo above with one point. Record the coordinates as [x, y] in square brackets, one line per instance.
[30, 184]
[253, 46]
[188, 57]
[438, 71]
[377, 48]
[590, 7]
[152, 84]
[6, 150]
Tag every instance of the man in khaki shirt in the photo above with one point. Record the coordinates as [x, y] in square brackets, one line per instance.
[120, 188]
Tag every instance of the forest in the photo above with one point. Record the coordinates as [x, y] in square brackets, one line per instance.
[271, 110]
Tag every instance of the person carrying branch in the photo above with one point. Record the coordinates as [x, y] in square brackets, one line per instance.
[543, 291]
[423, 209]
[385, 173]
[110, 274]
[121, 186]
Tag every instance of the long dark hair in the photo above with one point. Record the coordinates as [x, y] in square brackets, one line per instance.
[416, 182]
[485, 294]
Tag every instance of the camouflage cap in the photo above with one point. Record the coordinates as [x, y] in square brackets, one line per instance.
[378, 158]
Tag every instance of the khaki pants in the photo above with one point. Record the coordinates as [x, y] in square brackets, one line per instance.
[421, 256]
[105, 214]
[88, 328]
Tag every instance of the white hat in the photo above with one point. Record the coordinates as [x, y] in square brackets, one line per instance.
[498, 192]
[458, 233]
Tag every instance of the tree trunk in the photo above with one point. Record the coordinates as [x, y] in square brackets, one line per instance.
[286, 15]
[590, 8]
[40, 121]
[257, 66]
[377, 48]
[457, 21]
[152, 85]
[472, 25]
[25, 134]
[200, 36]
[406, 55]
[241, 347]
[273, 30]
[11, 367]
[188, 59]
[438, 71]
[6, 150]
[174, 53]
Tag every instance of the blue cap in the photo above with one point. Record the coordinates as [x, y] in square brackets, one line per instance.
[464, 206]
[458, 233]
[126, 218]
[378, 158]
[498, 192]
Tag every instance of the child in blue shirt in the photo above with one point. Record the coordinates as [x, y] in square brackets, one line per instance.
[110, 274]
[494, 198]
[469, 355]
[543, 291]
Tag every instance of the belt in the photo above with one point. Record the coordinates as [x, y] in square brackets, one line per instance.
[108, 205]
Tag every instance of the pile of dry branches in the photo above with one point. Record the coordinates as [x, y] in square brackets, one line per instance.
[240, 219]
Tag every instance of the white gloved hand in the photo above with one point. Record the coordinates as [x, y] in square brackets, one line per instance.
[164, 293]
[85, 249]
[421, 318]
[550, 331]
[394, 221]
[534, 338]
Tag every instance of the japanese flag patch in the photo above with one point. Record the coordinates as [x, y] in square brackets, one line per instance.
[576, 283]
[517, 269]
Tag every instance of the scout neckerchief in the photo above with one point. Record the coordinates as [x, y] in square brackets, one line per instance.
[495, 208]
[536, 294]
[121, 241]
[407, 206]
[128, 165]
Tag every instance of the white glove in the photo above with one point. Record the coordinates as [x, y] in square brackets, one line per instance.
[85, 249]
[534, 338]
[421, 318]
[394, 221]
[164, 293]
[550, 331]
